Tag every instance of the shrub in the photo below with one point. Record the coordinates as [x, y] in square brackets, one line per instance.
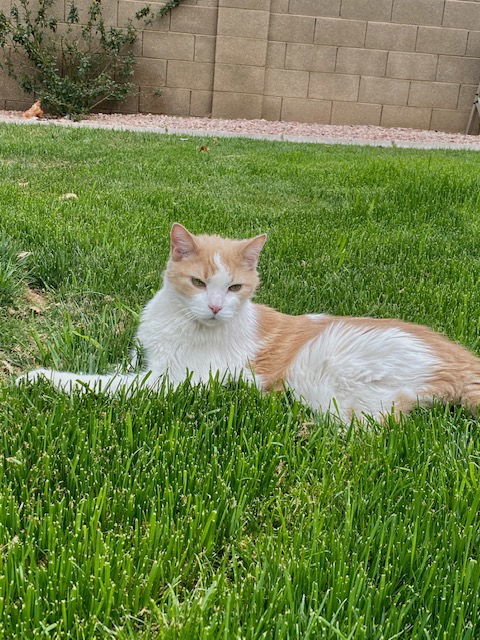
[73, 73]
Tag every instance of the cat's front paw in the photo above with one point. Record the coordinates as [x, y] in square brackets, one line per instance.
[32, 376]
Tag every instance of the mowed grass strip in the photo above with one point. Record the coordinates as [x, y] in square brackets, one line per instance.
[219, 512]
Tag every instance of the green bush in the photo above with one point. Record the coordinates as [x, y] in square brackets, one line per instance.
[76, 72]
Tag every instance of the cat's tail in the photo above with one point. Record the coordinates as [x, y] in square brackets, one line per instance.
[109, 383]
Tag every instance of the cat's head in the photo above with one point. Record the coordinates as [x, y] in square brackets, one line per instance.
[212, 276]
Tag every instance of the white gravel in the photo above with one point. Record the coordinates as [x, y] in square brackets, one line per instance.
[266, 129]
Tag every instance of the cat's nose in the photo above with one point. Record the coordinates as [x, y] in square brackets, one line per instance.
[215, 308]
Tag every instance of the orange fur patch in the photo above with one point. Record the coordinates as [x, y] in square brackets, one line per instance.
[282, 336]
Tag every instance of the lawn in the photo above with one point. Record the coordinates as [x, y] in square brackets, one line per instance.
[220, 513]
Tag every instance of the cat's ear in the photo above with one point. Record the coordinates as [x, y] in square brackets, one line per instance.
[251, 250]
[182, 242]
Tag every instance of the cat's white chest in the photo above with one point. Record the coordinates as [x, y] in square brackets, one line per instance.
[178, 348]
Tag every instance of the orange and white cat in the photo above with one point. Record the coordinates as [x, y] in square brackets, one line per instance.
[203, 322]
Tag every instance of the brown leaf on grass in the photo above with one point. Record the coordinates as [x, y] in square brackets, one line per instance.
[204, 148]
[304, 430]
[120, 328]
[23, 254]
[6, 366]
[69, 196]
[36, 301]
[281, 471]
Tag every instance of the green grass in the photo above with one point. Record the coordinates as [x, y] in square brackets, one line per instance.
[220, 513]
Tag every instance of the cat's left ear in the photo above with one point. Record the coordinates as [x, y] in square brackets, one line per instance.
[252, 248]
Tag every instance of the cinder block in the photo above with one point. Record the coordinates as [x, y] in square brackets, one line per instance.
[170, 102]
[355, 113]
[176, 46]
[236, 105]
[279, 6]
[284, 82]
[462, 15]
[109, 11]
[433, 94]
[412, 66]
[239, 78]
[377, 10]
[473, 44]
[241, 23]
[205, 48]
[333, 86]
[9, 90]
[248, 51]
[201, 103]
[391, 37]
[261, 5]
[465, 98]
[287, 28]
[442, 40]
[450, 121]
[456, 69]
[272, 106]
[58, 10]
[383, 90]
[201, 20]
[310, 57]
[323, 8]
[190, 75]
[408, 117]
[201, 3]
[18, 105]
[150, 72]
[127, 10]
[294, 110]
[340, 32]
[361, 61]
[129, 105]
[422, 12]
[276, 52]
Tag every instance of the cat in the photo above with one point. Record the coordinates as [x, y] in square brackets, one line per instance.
[203, 322]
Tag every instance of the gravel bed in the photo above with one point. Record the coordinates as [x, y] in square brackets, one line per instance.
[365, 134]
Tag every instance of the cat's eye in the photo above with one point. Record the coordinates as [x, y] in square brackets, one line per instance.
[198, 283]
[235, 287]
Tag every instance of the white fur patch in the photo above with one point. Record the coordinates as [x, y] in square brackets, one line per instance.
[222, 277]
[175, 343]
[349, 369]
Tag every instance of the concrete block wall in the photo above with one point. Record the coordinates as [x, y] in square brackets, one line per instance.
[395, 63]
[407, 63]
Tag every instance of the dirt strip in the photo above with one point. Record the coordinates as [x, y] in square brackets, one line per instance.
[264, 130]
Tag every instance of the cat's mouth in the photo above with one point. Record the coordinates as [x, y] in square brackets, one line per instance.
[210, 321]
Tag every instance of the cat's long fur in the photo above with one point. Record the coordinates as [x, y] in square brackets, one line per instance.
[197, 325]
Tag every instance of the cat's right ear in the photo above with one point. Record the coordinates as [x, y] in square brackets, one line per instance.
[182, 243]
